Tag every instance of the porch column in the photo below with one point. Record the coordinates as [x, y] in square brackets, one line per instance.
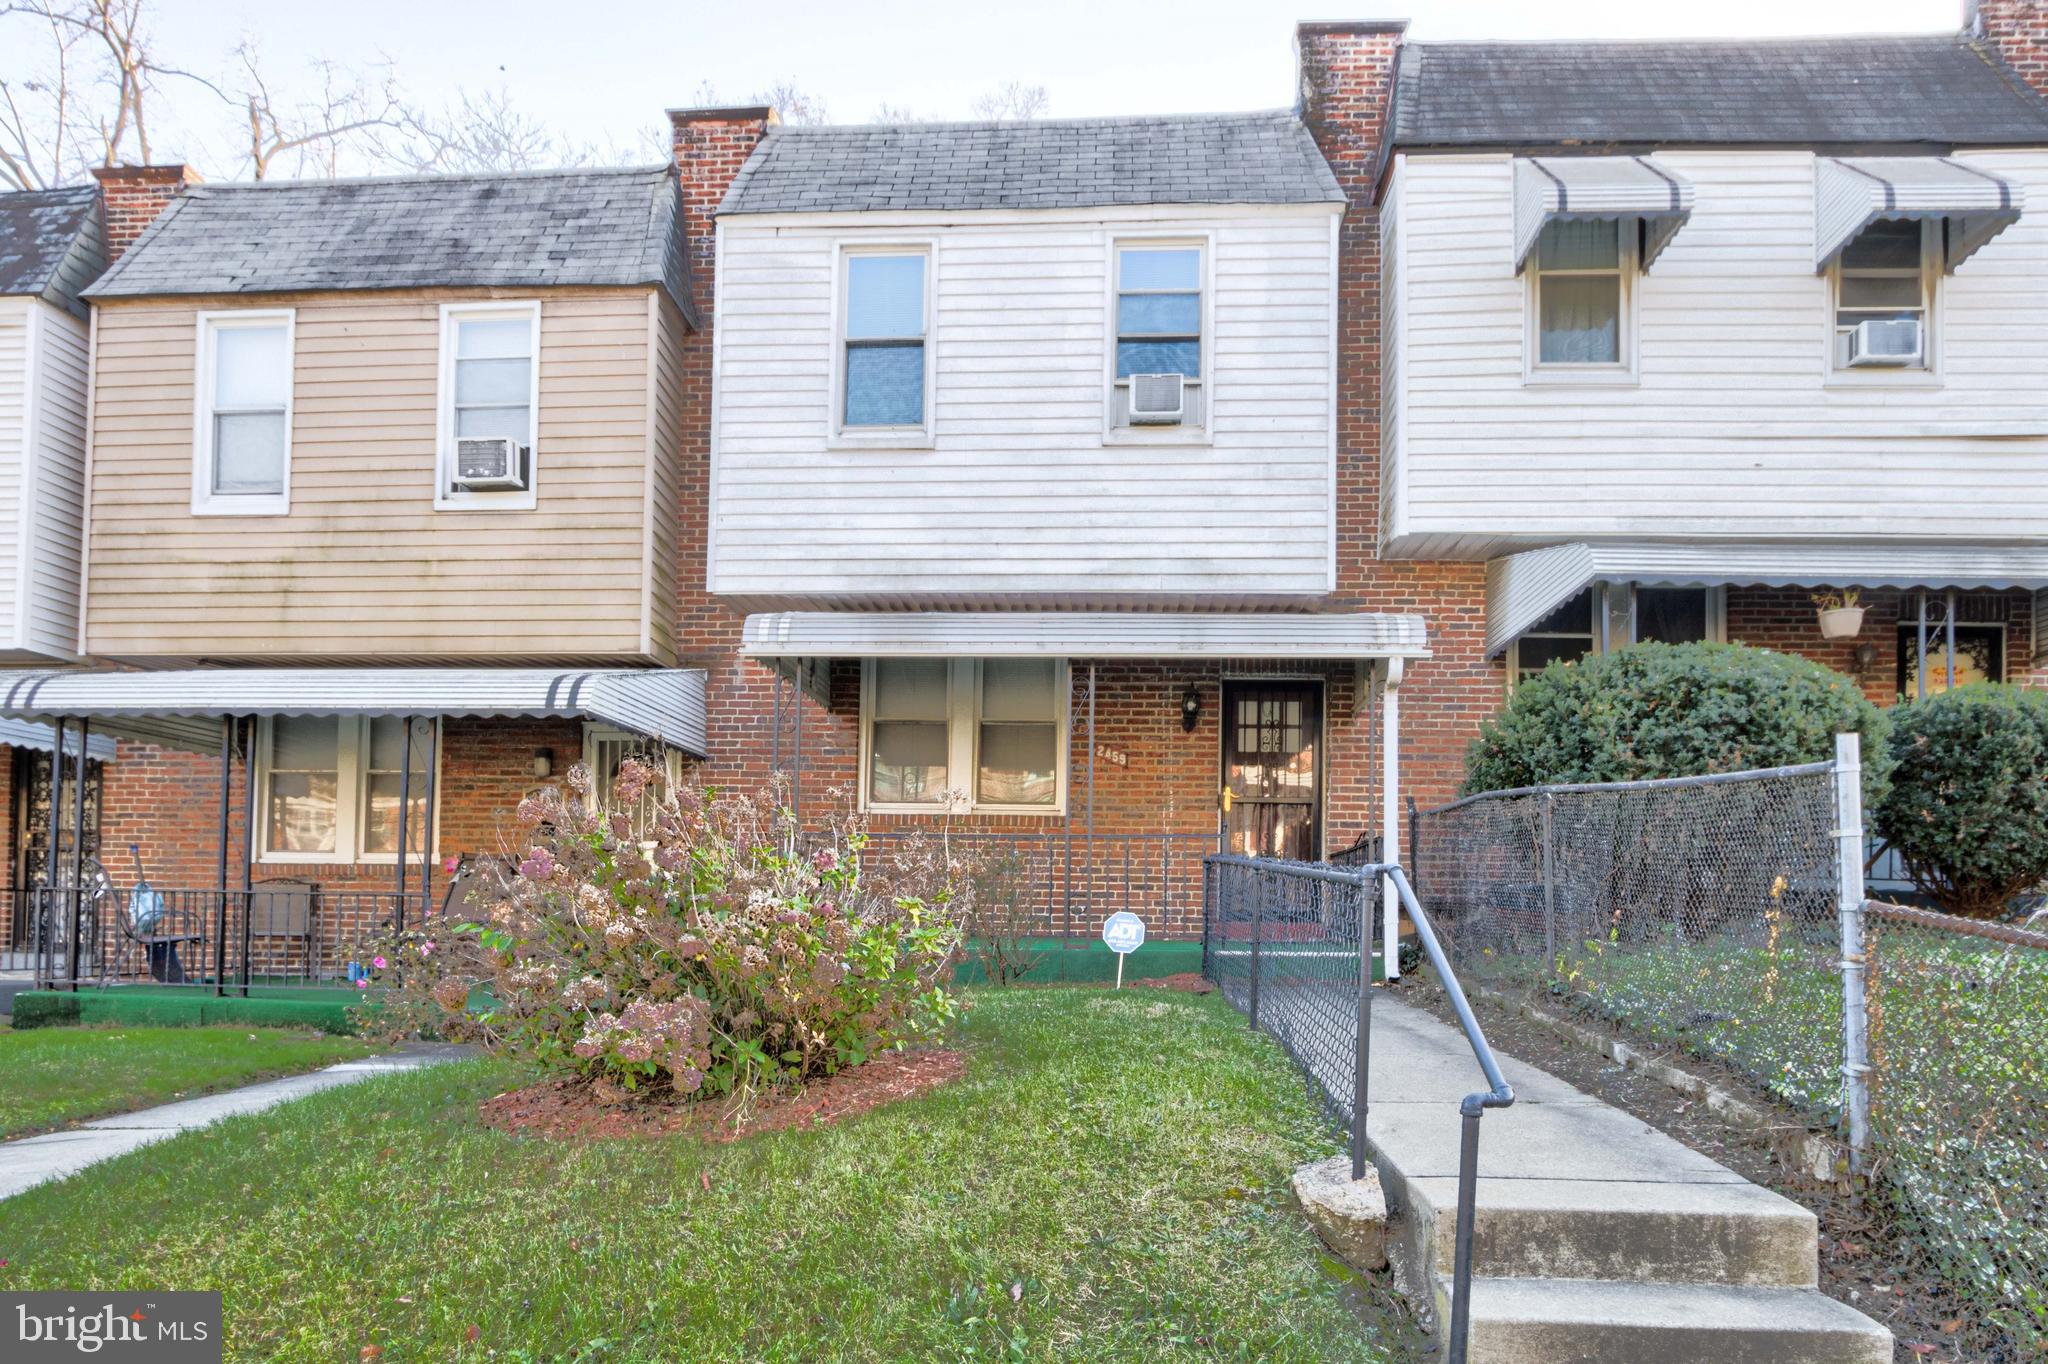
[1390, 814]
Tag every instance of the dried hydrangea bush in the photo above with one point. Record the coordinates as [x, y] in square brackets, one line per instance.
[688, 942]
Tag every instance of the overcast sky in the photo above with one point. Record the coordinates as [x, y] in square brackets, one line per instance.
[602, 70]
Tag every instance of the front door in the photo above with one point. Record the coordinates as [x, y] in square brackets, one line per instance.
[1272, 768]
[33, 818]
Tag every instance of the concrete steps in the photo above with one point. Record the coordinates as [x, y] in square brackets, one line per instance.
[1596, 1238]
[1565, 1321]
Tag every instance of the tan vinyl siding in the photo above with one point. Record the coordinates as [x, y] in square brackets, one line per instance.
[363, 565]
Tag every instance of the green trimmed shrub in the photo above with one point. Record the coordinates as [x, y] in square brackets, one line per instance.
[44, 1009]
[1968, 806]
[1673, 710]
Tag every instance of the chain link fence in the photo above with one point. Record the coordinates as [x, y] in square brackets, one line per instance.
[1699, 911]
[1281, 941]
[1958, 1015]
[1707, 913]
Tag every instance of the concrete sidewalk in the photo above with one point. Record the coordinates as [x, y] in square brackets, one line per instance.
[58, 1155]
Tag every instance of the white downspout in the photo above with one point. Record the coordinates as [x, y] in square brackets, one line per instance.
[1390, 812]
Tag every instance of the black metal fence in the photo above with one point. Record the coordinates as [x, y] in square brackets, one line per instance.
[224, 941]
[1064, 883]
[1294, 945]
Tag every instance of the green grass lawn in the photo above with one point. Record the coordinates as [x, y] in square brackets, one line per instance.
[51, 1076]
[1107, 1182]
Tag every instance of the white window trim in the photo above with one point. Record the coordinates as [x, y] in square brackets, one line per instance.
[963, 743]
[205, 501]
[1928, 373]
[1112, 434]
[1622, 373]
[352, 798]
[840, 436]
[446, 496]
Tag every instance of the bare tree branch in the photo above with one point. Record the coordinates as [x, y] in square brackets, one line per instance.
[346, 111]
[1011, 102]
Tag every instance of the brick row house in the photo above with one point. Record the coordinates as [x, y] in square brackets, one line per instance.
[1112, 491]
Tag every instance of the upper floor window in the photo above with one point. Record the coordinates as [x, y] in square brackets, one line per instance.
[242, 444]
[1159, 311]
[1581, 283]
[945, 733]
[1883, 279]
[489, 403]
[884, 368]
[1160, 315]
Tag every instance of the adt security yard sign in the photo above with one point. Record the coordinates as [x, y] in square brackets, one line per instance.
[1123, 933]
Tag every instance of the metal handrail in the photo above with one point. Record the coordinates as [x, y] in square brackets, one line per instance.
[1498, 1094]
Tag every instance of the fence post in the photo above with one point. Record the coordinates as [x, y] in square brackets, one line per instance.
[1258, 927]
[1848, 776]
[1549, 880]
[1369, 894]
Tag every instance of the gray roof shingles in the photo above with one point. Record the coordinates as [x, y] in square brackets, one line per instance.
[50, 243]
[574, 227]
[1931, 89]
[1258, 158]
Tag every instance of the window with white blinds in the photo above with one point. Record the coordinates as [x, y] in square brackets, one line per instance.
[945, 734]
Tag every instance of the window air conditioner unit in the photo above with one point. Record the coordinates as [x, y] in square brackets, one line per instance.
[1892, 341]
[487, 464]
[1156, 399]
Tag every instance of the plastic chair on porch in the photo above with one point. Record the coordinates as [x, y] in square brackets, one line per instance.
[287, 910]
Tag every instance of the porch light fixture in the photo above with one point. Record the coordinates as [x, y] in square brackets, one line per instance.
[1190, 708]
[1866, 655]
[543, 762]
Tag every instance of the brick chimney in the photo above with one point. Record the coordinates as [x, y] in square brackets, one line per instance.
[1346, 73]
[710, 147]
[132, 196]
[2018, 29]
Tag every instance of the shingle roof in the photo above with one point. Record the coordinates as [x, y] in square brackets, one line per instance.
[50, 243]
[1941, 89]
[1261, 158]
[536, 229]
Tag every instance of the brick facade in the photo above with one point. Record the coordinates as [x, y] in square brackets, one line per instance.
[2019, 30]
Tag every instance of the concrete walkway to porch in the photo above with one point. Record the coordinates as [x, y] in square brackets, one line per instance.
[30, 1161]
[1597, 1238]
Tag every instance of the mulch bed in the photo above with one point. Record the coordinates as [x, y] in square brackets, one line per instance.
[577, 1110]
[1862, 1262]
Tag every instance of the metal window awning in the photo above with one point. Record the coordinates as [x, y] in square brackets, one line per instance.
[31, 734]
[1082, 634]
[182, 709]
[1852, 192]
[1569, 188]
[1521, 589]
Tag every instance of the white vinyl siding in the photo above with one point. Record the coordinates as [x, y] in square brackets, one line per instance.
[42, 470]
[1734, 426]
[1021, 496]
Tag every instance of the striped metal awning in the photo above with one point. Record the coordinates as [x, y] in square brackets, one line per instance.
[1521, 589]
[1082, 634]
[32, 734]
[1852, 192]
[1568, 188]
[183, 709]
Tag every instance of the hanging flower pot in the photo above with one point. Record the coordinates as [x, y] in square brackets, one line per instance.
[1840, 616]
